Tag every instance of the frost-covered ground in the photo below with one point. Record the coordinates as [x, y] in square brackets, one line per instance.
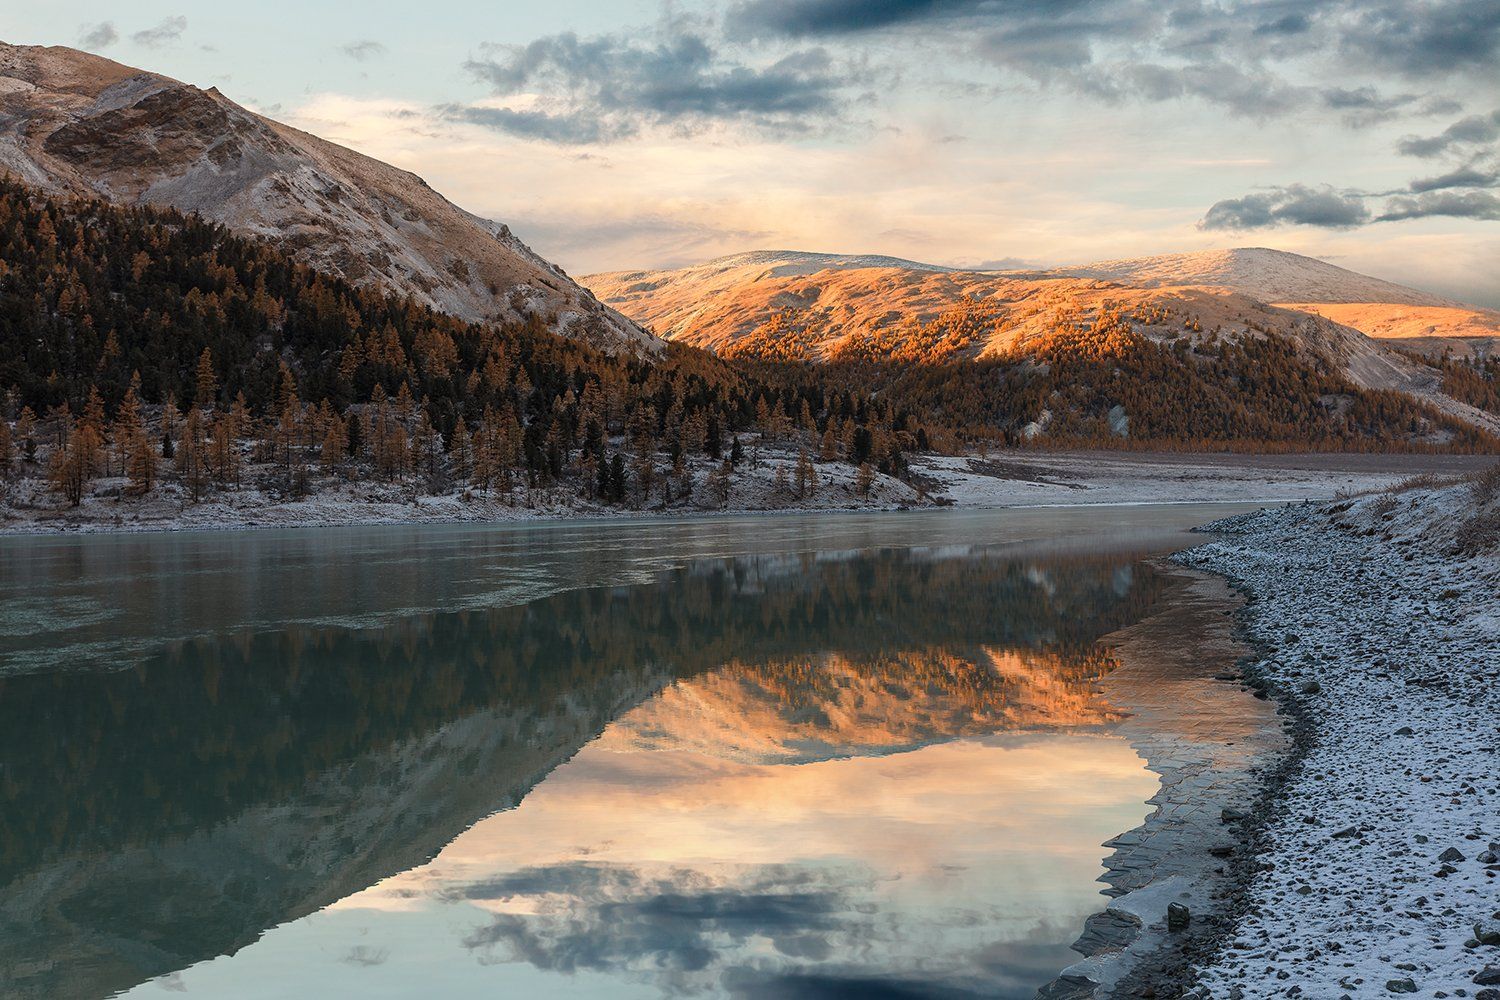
[1380, 618]
[1036, 478]
[766, 483]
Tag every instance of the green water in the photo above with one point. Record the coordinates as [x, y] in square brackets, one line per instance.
[848, 755]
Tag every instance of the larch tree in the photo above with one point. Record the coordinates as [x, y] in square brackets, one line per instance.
[191, 459]
[26, 434]
[205, 382]
[828, 450]
[72, 466]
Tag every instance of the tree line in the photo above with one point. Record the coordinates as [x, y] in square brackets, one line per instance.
[137, 340]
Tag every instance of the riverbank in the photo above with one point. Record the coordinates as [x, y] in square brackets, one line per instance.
[766, 484]
[1374, 622]
[1216, 747]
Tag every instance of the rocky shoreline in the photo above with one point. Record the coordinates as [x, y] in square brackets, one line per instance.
[1376, 623]
[1177, 881]
[1359, 857]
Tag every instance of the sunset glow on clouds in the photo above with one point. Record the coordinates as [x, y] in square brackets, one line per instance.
[967, 132]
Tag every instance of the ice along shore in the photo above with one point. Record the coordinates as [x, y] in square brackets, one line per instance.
[1358, 857]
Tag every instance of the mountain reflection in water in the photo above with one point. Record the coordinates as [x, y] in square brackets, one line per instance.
[769, 776]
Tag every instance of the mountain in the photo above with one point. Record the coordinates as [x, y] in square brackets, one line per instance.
[1261, 273]
[77, 124]
[1401, 316]
[774, 306]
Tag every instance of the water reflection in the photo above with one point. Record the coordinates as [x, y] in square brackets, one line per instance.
[157, 817]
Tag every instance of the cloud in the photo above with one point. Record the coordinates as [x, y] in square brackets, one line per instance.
[804, 18]
[1132, 50]
[1295, 204]
[1483, 205]
[98, 36]
[362, 50]
[1463, 177]
[169, 30]
[1465, 191]
[1423, 38]
[1471, 131]
[579, 128]
[610, 86]
[678, 923]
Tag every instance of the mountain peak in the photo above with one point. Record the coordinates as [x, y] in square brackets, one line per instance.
[77, 124]
[1260, 272]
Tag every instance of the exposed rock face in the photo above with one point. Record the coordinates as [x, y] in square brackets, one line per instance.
[77, 124]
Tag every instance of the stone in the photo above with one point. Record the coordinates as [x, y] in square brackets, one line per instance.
[1406, 731]
[1488, 976]
[1451, 855]
[1232, 816]
[1348, 831]
[1178, 917]
[1487, 932]
[1401, 985]
[1312, 687]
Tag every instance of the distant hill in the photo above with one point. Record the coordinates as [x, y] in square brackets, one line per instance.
[1261, 273]
[787, 306]
[77, 124]
[1409, 318]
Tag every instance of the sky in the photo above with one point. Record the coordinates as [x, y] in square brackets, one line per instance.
[625, 134]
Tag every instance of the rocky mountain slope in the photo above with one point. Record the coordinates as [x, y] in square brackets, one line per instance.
[77, 124]
[795, 306]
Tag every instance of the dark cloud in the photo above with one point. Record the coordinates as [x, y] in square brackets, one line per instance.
[169, 30]
[804, 18]
[1422, 38]
[1474, 130]
[98, 36]
[1295, 204]
[1167, 49]
[1483, 205]
[362, 50]
[1464, 177]
[1465, 191]
[677, 77]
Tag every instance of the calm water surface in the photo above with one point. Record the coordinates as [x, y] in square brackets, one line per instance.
[847, 755]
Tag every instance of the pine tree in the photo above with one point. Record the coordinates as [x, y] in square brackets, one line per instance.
[864, 479]
[7, 448]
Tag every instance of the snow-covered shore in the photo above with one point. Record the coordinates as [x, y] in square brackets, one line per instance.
[1377, 625]
[1002, 479]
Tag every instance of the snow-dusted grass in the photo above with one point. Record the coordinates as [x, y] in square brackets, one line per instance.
[1383, 625]
[1001, 479]
[28, 506]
